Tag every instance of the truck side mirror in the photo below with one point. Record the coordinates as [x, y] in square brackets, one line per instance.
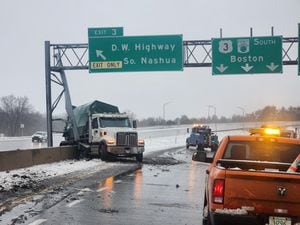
[134, 124]
[188, 130]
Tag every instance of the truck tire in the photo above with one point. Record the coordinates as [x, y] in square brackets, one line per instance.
[187, 144]
[214, 148]
[103, 152]
[199, 156]
[200, 147]
[64, 143]
[83, 154]
[206, 215]
[139, 157]
[206, 220]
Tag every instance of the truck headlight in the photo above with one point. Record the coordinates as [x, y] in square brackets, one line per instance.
[111, 142]
[141, 142]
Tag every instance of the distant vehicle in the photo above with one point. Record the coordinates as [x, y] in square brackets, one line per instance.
[39, 136]
[254, 179]
[202, 137]
[274, 131]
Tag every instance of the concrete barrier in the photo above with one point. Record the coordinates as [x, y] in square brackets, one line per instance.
[10, 160]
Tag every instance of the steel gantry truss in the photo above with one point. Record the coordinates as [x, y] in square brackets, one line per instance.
[61, 57]
[199, 53]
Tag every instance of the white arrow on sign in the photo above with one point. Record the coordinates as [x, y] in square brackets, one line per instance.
[247, 68]
[100, 53]
[221, 68]
[272, 66]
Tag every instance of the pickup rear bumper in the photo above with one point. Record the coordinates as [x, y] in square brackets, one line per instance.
[228, 219]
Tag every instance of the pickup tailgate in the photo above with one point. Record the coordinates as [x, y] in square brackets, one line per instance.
[264, 192]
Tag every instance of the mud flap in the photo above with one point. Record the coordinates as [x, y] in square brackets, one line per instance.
[199, 156]
[83, 150]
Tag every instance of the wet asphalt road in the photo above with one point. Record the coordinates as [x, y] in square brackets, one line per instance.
[165, 190]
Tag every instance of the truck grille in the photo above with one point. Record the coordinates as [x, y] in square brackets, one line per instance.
[127, 139]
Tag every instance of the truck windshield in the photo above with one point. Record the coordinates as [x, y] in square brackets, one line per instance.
[201, 130]
[115, 122]
[262, 151]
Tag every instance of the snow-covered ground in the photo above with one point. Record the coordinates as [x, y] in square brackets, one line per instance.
[28, 176]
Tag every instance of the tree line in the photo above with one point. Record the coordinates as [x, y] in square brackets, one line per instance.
[18, 117]
[268, 113]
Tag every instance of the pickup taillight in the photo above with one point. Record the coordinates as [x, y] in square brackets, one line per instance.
[218, 191]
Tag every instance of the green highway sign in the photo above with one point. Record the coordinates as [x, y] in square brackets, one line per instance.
[105, 32]
[135, 53]
[247, 55]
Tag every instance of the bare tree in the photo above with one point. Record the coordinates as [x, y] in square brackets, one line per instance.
[14, 112]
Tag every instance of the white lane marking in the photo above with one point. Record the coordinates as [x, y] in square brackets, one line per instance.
[101, 189]
[74, 203]
[83, 191]
[38, 222]
[86, 190]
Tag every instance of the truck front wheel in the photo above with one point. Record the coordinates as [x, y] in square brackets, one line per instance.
[103, 152]
[187, 145]
[139, 157]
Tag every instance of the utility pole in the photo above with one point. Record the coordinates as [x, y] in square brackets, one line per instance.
[243, 110]
[164, 110]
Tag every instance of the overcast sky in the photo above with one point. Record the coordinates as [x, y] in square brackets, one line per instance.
[25, 25]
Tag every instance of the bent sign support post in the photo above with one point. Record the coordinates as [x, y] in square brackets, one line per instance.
[135, 53]
[247, 55]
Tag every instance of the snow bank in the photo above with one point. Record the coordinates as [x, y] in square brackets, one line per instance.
[29, 177]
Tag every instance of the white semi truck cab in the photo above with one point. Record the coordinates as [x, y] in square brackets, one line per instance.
[114, 134]
[100, 129]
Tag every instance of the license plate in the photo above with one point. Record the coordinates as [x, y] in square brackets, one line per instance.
[273, 220]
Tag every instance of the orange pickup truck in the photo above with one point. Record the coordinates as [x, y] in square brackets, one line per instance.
[250, 181]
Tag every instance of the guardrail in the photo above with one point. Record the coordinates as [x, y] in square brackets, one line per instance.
[10, 160]
[15, 159]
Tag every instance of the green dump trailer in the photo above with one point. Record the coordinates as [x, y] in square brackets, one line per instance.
[82, 113]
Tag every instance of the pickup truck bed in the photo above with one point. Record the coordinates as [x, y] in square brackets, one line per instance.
[248, 182]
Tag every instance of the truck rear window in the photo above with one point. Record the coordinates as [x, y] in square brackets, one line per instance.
[262, 151]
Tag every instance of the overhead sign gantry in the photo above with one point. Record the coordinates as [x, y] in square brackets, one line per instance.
[195, 53]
